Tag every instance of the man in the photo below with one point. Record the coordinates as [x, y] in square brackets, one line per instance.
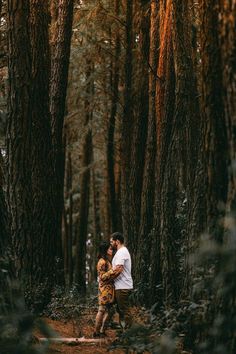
[121, 262]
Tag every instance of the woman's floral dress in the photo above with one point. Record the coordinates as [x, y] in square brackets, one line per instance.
[106, 284]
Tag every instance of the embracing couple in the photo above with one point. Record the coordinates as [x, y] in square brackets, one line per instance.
[115, 283]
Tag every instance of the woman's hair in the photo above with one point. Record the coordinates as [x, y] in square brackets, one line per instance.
[104, 245]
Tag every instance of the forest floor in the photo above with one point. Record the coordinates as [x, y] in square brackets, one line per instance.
[83, 326]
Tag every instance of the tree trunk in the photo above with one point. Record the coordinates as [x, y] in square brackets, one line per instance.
[54, 17]
[1, 21]
[228, 48]
[70, 223]
[187, 114]
[4, 217]
[126, 126]
[167, 172]
[139, 129]
[58, 87]
[148, 191]
[29, 151]
[96, 224]
[81, 237]
[111, 129]
[214, 129]
[7, 273]
[65, 243]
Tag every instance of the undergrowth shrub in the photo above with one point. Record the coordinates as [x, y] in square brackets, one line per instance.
[205, 323]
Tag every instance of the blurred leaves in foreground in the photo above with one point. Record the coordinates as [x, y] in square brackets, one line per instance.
[205, 323]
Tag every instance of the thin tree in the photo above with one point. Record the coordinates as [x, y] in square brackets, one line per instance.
[82, 230]
[115, 78]
[126, 125]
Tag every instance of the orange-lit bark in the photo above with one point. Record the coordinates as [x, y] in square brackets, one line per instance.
[166, 232]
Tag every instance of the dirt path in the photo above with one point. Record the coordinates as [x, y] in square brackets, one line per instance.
[83, 326]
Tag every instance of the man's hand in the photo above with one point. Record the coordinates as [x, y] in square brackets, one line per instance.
[118, 270]
[112, 273]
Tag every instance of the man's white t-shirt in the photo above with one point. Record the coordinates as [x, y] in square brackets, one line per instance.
[124, 280]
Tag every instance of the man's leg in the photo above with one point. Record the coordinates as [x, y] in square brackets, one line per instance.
[110, 321]
[123, 305]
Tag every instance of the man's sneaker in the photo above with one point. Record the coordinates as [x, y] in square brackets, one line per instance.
[122, 323]
[102, 334]
[119, 332]
[114, 325]
[96, 335]
[99, 335]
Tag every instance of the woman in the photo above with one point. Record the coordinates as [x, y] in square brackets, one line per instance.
[105, 287]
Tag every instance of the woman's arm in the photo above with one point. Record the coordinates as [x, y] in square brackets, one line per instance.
[112, 273]
[107, 275]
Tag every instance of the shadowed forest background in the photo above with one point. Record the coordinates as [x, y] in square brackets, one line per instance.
[120, 115]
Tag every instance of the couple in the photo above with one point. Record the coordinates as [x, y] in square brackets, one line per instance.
[115, 283]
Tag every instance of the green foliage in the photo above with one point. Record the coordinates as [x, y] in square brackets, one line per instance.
[204, 324]
[64, 304]
[17, 324]
[37, 297]
[219, 286]
[142, 339]
[136, 338]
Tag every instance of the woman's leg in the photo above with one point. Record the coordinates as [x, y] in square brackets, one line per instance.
[99, 318]
[105, 317]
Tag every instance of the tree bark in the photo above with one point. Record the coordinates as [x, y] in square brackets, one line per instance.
[139, 128]
[70, 224]
[4, 217]
[166, 198]
[111, 128]
[148, 190]
[7, 273]
[81, 237]
[29, 151]
[214, 123]
[187, 114]
[58, 88]
[228, 48]
[126, 126]
[96, 223]
[134, 125]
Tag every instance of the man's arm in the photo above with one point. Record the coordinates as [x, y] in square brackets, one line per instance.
[112, 273]
[118, 270]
